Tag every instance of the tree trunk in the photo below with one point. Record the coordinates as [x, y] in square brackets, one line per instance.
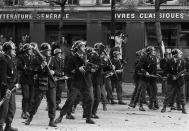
[158, 27]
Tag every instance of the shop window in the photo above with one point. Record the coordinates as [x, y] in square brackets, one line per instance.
[169, 32]
[73, 2]
[109, 1]
[185, 26]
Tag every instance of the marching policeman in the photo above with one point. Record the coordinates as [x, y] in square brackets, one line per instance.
[8, 79]
[117, 78]
[45, 84]
[80, 83]
[59, 73]
[175, 83]
[147, 66]
[136, 78]
[24, 65]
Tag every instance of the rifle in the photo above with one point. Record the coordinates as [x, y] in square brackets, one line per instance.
[90, 66]
[5, 98]
[181, 73]
[61, 78]
[111, 64]
[153, 76]
[43, 59]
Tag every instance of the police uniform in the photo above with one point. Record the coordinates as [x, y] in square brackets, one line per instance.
[81, 83]
[44, 85]
[136, 79]
[8, 79]
[175, 81]
[24, 65]
[117, 78]
[59, 73]
[147, 64]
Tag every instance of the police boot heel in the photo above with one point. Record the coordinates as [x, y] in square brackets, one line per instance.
[164, 109]
[141, 108]
[183, 109]
[59, 119]
[8, 127]
[90, 121]
[28, 121]
[52, 123]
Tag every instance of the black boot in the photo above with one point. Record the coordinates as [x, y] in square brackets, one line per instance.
[28, 120]
[24, 115]
[8, 127]
[104, 107]
[133, 105]
[70, 116]
[59, 119]
[173, 107]
[90, 121]
[141, 108]
[151, 106]
[164, 109]
[95, 116]
[183, 109]
[113, 102]
[156, 105]
[179, 107]
[52, 123]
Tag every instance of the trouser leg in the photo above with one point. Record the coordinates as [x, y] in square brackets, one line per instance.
[51, 99]
[97, 98]
[72, 95]
[38, 96]
[25, 97]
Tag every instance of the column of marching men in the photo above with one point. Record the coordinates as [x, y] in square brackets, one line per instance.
[173, 75]
[89, 74]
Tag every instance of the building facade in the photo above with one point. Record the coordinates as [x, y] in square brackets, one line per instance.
[91, 20]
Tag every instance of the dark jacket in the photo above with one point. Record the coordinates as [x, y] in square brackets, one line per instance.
[8, 74]
[173, 69]
[25, 68]
[147, 64]
[79, 80]
[58, 66]
[118, 66]
[44, 79]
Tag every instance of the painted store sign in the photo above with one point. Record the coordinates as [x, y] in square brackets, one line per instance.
[146, 15]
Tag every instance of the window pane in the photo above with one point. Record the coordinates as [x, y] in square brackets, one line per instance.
[105, 1]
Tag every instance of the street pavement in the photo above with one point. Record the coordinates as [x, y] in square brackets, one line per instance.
[117, 118]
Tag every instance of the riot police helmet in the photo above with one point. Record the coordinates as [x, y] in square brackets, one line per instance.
[26, 47]
[7, 46]
[45, 47]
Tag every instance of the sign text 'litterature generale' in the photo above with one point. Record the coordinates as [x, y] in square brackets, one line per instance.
[30, 16]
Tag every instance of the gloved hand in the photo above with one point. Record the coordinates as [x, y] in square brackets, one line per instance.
[81, 69]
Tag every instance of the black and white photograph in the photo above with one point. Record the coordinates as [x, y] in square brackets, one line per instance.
[94, 65]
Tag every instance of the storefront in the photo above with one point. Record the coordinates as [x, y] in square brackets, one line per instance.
[94, 26]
